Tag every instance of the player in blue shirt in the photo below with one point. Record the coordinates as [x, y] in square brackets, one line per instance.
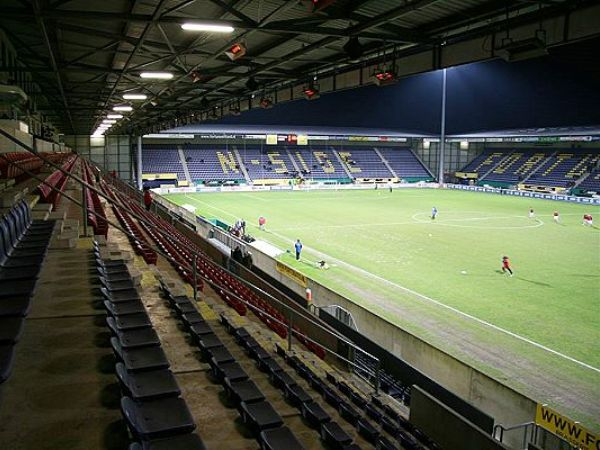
[433, 213]
[298, 247]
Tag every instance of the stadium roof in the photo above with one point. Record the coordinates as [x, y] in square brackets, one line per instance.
[85, 54]
[534, 132]
[207, 129]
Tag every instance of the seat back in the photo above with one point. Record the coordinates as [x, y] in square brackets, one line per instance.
[6, 236]
[3, 250]
[14, 228]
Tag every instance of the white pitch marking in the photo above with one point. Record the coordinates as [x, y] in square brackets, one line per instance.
[424, 297]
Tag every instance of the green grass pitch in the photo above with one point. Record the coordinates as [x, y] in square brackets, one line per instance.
[378, 243]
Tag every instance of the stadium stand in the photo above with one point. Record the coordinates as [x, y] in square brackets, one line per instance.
[591, 183]
[405, 164]
[484, 162]
[159, 159]
[208, 163]
[318, 163]
[563, 168]
[517, 166]
[364, 162]
[267, 163]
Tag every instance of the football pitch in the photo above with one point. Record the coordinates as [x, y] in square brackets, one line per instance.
[386, 253]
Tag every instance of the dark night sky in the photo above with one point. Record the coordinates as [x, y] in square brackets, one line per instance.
[560, 90]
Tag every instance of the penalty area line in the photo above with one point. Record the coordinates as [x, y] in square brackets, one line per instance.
[423, 297]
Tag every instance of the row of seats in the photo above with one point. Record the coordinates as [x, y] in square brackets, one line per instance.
[96, 217]
[156, 416]
[181, 251]
[23, 247]
[58, 181]
[592, 182]
[137, 239]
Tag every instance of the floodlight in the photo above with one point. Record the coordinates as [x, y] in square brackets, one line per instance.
[135, 96]
[123, 108]
[208, 27]
[157, 75]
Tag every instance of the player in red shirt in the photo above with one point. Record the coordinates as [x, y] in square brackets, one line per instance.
[261, 223]
[506, 265]
[588, 220]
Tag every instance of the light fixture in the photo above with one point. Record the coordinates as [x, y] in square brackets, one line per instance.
[123, 108]
[384, 77]
[311, 92]
[114, 116]
[266, 103]
[157, 75]
[135, 96]
[236, 51]
[111, 121]
[209, 27]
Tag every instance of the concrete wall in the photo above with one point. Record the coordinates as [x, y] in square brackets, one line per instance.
[108, 152]
[446, 427]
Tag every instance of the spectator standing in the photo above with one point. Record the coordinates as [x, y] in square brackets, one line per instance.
[298, 248]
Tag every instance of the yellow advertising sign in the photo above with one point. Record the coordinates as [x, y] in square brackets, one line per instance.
[567, 429]
[302, 139]
[271, 139]
[291, 273]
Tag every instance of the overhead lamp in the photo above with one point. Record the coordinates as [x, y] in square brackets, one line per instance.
[157, 75]
[195, 76]
[236, 51]
[311, 92]
[208, 27]
[111, 121]
[266, 103]
[135, 96]
[114, 116]
[123, 108]
[384, 77]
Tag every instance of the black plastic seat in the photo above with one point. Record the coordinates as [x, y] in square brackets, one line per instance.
[159, 418]
[296, 395]
[117, 286]
[132, 322]
[185, 308]
[7, 356]
[220, 355]
[317, 384]
[147, 385]
[268, 365]
[260, 416]
[243, 391]
[200, 329]
[11, 329]
[358, 399]
[331, 397]
[232, 370]
[191, 318]
[140, 359]
[208, 341]
[142, 337]
[240, 334]
[120, 263]
[314, 414]
[373, 412]
[181, 442]
[114, 275]
[278, 439]
[367, 430]
[121, 296]
[15, 306]
[281, 379]
[19, 273]
[258, 353]
[348, 413]
[334, 435]
[124, 308]
[17, 288]
[248, 342]
[390, 426]
[384, 443]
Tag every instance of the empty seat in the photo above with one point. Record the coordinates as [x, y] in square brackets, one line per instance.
[11, 329]
[181, 442]
[141, 337]
[147, 385]
[191, 318]
[232, 370]
[389, 425]
[200, 329]
[120, 296]
[279, 438]
[331, 397]
[207, 342]
[260, 416]
[15, 306]
[281, 379]
[116, 286]
[132, 322]
[334, 435]
[124, 308]
[220, 355]
[268, 365]
[348, 413]
[373, 412]
[367, 430]
[159, 418]
[384, 443]
[314, 414]
[296, 395]
[17, 288]
[140, 359]
[7, 355]
[243, 391]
